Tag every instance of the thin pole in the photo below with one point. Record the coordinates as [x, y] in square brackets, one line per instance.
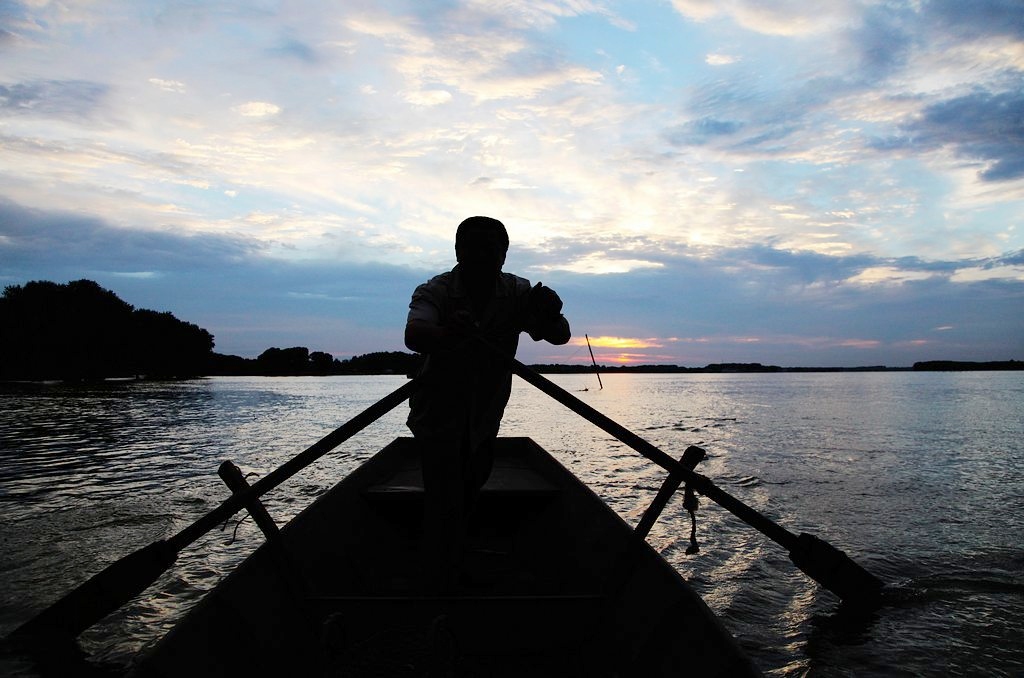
[596, 371]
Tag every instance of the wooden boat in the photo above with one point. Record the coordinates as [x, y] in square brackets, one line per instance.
[556, 585]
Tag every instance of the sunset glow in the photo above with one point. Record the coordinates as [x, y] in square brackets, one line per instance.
[618, 342]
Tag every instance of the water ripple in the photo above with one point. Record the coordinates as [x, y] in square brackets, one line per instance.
[915, 476]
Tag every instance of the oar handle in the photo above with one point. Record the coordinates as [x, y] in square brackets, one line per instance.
[118, 583]
[821, 561]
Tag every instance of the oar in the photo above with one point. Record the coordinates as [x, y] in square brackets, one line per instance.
[121, 581]
[821, 561]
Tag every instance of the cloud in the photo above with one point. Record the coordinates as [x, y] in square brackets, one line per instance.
[888, 275]
[497, 62]
[783, 17]
[601, 263]
[720, 59]
[745, 117]
[980, 17]
[257, 109]
[1014, 273]
[763, 305]
[175, 86]
[65, 99]
[981, 126]
[434, 97]
[699, 132]
[296, 49]
[883, 41]
[37, 240]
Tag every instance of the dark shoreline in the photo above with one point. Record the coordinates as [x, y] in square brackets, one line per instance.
[739, 368]
[399, 362]
[716, 368]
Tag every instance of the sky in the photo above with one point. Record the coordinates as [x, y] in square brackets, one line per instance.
[835, 183]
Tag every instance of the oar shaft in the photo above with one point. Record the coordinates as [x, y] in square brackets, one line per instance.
[235, 502]
[700, 483]
[821, 561]
[114, 586]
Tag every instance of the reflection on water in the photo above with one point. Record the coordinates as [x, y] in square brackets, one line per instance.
[916, 476]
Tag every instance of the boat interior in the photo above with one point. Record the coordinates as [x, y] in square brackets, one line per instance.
[552, 582]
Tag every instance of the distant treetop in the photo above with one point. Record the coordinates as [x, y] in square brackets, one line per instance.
[79, 330]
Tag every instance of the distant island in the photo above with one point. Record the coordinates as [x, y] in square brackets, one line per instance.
[80, 331]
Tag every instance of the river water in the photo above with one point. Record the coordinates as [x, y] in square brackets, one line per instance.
[917, 476]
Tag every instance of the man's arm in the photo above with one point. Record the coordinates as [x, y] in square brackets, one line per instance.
[424, 329]
[426, 336]
[546, 319]
[422, 336]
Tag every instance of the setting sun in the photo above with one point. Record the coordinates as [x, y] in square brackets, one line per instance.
[620, 349]
[619, 342]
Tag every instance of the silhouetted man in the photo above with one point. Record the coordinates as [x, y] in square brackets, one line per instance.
[456, 415]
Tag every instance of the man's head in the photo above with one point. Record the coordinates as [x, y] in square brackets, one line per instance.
[474, 228]
[480, 246]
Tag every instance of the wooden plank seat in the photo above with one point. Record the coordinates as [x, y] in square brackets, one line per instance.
[507, 481]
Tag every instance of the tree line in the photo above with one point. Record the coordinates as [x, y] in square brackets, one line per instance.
[299, 361]
[968, 366]
[80, 331]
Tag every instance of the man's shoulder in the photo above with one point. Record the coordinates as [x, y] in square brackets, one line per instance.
[513, 282]
[439, 281]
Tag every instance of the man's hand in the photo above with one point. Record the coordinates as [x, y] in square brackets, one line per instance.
[545, 304]
[545, 316]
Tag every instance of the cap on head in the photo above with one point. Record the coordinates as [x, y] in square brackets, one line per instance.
[474, 226]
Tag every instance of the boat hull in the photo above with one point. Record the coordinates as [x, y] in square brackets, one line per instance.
[557, 584]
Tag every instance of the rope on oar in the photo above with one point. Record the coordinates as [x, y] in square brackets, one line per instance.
[124, 579]
[691, 504]
[818, 559]
[234, 531]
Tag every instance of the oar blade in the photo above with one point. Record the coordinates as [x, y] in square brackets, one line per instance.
[834, 570]
[131, 575]
[100, 595]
